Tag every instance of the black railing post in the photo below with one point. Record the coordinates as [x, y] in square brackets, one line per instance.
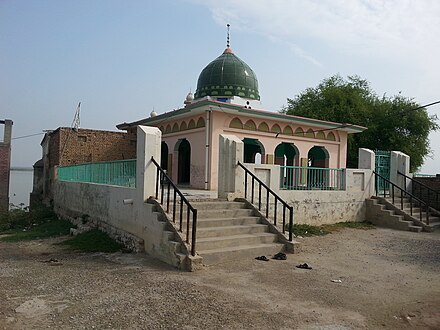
[181, 215]
[168, 196]
[245, 185]
[259, 196]
[284, 217]
[267, 203]
[157, 181]
[275, 212]
[174, 205]
[252, 192]
[193, 234]
[290, 223]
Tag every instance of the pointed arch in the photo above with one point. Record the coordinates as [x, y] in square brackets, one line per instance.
[191, 124]
[275, 128]
[288, 130]
[310, 133]
[320, 135]
[200, 122]
[299, 131]
[250, 125]
[183, 126]
[236, 123]
[168, 129]
[263, 127]
[175, 128]
[331, 136]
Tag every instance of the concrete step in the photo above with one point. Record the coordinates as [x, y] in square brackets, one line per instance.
[220, 213]
[231, 230]
[221, 205]
[223, 222]
[414, 228]
[234, 241]
[216, 256]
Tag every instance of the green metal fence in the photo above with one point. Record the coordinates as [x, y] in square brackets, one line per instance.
[117, 173]
[311, 178]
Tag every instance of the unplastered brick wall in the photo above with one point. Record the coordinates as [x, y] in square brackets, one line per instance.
[89, 146]
[5, 156]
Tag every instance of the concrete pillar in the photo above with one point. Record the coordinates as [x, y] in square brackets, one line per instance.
[399, 162]
[230, 177]
[148, 145]
[5, 164]
[367, 159]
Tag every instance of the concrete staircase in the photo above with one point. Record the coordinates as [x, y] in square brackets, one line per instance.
[382, 212]
[233, 230]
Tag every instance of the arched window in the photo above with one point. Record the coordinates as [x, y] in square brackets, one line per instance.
[331, 136]
[310, 133]
[299, 132]
[192, 124]
[200, 122]
[320, 135]
[276, 129]
[250, 125]
[236, 123]
[288, 130]
[263, 127]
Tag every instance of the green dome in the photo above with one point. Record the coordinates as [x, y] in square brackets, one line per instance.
[227, 76]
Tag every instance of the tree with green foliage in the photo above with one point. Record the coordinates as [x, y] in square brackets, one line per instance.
[393, 123]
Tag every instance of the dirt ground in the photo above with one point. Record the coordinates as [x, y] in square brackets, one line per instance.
[389, 279]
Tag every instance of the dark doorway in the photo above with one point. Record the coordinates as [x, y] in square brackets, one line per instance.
[252, 147]
[184, 165]
[164, 156]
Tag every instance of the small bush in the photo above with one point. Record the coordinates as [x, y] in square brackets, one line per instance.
[51, 228]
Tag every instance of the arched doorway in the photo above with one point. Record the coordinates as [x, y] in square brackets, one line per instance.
[287, 155]
[184, 162]
[164, 156]
[252, 147]
[318, 159]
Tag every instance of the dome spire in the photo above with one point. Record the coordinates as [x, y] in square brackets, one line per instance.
[227, 38]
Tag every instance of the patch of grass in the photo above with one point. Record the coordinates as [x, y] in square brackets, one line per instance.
[308, 230]
[23, 219]
[93, 241]
[51, 228]
[350, 224]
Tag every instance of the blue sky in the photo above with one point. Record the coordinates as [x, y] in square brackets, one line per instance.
[121, 59]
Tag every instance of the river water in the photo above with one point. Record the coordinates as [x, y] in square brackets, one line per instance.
[20, 186]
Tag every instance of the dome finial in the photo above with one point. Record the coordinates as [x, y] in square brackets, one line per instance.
[227, 39]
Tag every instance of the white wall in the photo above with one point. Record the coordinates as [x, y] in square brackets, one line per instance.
[104, 204]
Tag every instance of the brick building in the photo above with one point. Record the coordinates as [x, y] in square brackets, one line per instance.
[67, 146]
[5, 164]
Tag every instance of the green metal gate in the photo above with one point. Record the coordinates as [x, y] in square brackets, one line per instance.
[382, 165]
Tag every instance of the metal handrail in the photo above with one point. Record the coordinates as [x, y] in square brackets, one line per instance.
[163, 179]
[402, 193]
[429, 189]
[268, 193]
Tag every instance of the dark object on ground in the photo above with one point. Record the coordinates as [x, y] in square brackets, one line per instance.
[280, 256]
[304, 266]
[263, 258]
